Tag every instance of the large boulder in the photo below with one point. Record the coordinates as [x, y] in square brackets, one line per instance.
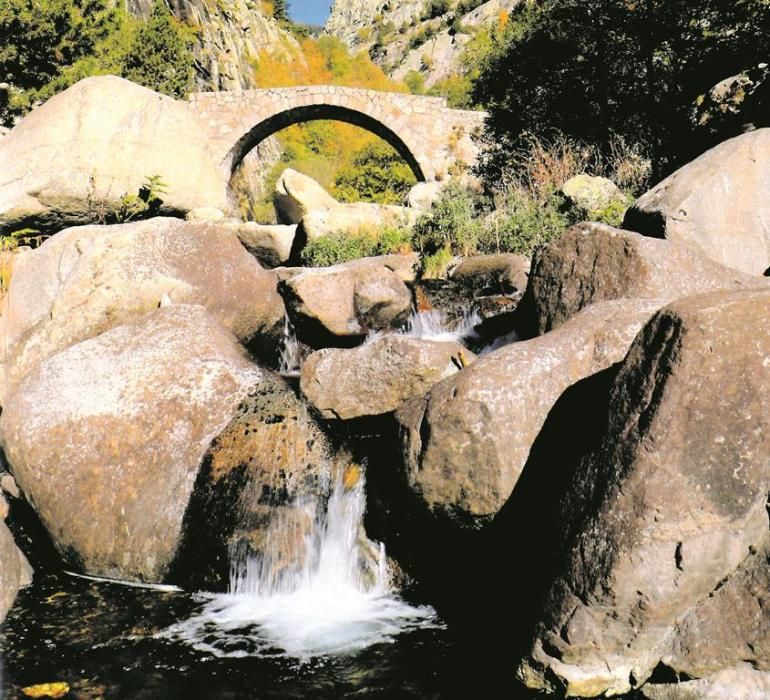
[15, 571]
[424, 195]
[340, 305]
[74, 159]
[379, 376]
[594, 262]
[353, 219]
[502, 273]
[270, 244]
[105, 438]
[296, 194]
[86, 280]
[717, 204]
[465, 444]
[260, 472]
[665, 523]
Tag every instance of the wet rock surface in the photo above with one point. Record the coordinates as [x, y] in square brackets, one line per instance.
[264, 466]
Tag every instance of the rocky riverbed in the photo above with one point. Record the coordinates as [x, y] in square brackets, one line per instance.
[545, 476]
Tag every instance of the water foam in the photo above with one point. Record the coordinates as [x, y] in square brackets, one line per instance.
[329, 605]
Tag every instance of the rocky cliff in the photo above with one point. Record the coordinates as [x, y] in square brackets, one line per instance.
[230, 34]
[427, 36]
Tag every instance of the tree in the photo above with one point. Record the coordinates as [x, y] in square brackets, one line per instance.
[281, 10]
[594, 68]
[377, 174]
[41, 40]
[160, 57]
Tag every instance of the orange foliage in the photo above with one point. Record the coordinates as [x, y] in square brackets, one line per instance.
[324, 61]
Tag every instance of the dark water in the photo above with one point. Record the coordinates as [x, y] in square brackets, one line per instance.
[100, 638]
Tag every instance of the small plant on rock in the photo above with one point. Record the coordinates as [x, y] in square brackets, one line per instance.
[143, 204]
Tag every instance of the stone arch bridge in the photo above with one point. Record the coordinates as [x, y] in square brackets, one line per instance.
[430, 136]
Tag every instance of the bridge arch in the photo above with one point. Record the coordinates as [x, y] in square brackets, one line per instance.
[297, 115]
[429, 135]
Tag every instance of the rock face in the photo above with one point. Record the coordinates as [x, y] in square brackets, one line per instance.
[339, 305]
[105, 438]
[379, 376]
[260, 470]
[594, 262]
[73, 160]
[466, 443]
[86, 280]
[229, 33]
[717, 204]
[403, 37]
[741, 682]
[15, 571]
[666, 524]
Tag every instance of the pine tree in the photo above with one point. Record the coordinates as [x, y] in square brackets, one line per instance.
[160, 57]
[281, 10]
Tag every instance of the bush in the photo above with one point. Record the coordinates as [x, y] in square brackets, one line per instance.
[523, 223]
[452, 224]
[342, 247]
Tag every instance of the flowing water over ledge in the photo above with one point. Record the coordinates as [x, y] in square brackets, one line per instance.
[330, 603]
[326, 628]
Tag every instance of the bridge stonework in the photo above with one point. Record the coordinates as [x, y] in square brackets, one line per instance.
[434, 139]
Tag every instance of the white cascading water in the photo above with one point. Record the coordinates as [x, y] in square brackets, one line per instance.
[436, 326]
[329, 605]
[289, 359]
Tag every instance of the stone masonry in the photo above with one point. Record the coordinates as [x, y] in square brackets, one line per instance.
[435, 140]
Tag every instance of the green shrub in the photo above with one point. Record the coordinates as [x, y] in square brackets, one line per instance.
[342, 247]
[435, 8]
[452, 223]
[435, 266]
[415, 81]
[522, 223]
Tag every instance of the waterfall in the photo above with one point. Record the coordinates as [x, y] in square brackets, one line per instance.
[435, 325]
[289, 359]
[335, 598]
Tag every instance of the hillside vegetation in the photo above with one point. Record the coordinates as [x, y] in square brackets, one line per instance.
[352, 163]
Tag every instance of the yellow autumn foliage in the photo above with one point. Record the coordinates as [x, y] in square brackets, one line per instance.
[321, 149]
